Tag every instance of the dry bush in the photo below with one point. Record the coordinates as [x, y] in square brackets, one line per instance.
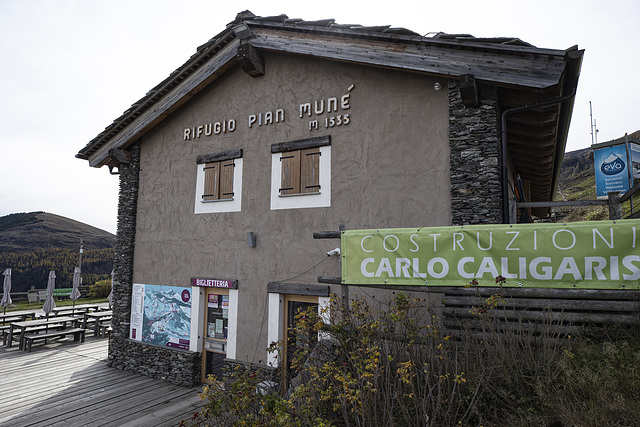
[397, 367]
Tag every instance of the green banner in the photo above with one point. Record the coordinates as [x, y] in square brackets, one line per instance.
[62, 292]
[585, 255]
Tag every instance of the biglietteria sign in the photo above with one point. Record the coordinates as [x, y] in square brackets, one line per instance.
[586, 255]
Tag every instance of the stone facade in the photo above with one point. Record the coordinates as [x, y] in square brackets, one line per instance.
[475, 160]
[176, 366]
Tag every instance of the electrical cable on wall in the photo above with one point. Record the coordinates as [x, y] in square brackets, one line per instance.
[304, 272]
[255, 351]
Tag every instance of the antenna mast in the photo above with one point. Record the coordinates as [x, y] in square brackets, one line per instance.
[594, 129]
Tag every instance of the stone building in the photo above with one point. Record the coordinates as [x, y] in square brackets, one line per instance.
[277, 128]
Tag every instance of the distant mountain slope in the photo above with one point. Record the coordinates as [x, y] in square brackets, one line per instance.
[33, 244]
[578, 182]
[27, 232]
[577, 176]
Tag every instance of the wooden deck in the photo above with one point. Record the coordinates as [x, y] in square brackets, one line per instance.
[69, 384]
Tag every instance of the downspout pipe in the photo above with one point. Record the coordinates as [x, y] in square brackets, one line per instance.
[503, 124]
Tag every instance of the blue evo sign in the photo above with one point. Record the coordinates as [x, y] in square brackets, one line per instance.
[611, 166]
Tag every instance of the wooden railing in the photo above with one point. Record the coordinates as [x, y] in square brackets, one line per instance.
[614, 201]
[629, 195]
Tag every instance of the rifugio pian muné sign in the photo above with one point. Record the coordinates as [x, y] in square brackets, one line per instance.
[321, 113]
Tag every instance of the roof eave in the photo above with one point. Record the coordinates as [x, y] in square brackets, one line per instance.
[571, 76]
[127, 128]
[202, 55]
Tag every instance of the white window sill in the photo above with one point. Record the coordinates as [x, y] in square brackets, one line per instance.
[318, 193]
[216, 201]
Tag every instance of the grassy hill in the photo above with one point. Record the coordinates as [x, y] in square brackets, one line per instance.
[33, 243]
[40, 230]
[578, 182]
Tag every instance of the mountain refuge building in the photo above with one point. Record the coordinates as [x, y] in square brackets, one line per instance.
[277, 128]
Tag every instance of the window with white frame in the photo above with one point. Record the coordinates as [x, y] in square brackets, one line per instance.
[219, 182]
[301, 174]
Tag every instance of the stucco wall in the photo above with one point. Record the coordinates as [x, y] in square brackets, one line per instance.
[389, 168]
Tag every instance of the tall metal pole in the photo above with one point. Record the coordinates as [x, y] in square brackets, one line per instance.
[591, 122]
[80, 260]
[594, 127]
[629, 167]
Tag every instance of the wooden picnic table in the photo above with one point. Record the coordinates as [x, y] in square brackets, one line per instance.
[17, 316]
[78, 309]
[25, 326]
[98, 317]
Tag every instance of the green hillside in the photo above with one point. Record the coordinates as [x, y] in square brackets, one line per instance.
[40, 230]
[34, 243]
[578, 182]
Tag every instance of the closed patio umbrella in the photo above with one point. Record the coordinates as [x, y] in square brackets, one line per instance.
[110, 297]
[6, 289]
[49, 304]
[75, 292]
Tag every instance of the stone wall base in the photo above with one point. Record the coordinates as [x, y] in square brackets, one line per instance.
[179, 367]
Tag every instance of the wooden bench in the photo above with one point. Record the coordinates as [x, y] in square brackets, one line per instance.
[4, 331]
[78, 335]
[104, 329]
[97, 324]
[42, 295]
[16, 337]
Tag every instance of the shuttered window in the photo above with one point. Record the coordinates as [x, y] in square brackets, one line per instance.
[301, 168]
[300, 171]
[300, 165]
[218, 180]
[310, 170]
[216, 175]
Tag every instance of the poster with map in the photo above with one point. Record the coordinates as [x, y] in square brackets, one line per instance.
[161, 315]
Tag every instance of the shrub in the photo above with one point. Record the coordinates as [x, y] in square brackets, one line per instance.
[100, 289]
[397, 366]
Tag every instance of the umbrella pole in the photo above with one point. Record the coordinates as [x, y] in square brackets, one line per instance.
[46, 327]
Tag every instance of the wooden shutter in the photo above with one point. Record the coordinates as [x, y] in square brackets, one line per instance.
[290, 178]
[226, 179]
[211, 181]
[310, 170]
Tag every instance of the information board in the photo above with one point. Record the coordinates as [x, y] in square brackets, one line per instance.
[161, 315]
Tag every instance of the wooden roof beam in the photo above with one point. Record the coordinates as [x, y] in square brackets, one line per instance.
[524, 129]
[522, 164]
[538, 119]
[510, 98]
[530, 141]
[500, 68]
[251, 60]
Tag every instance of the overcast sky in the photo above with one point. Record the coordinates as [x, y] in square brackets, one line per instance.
[70, 67]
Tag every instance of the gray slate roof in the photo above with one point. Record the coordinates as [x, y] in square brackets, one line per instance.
[523, 75]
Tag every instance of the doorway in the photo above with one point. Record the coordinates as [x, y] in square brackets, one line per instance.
[294, 342]
[216, 328]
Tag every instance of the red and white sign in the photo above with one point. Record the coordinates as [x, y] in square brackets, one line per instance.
[214, 283]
